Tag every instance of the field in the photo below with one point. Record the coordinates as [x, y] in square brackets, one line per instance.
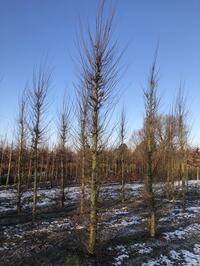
[58, 235]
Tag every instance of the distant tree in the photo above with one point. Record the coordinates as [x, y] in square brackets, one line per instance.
[64, 126]
[170, 152]
[21, 140]
[9, 164]
[82, 97]
[182, 140]
[122, 150]
[37, 123]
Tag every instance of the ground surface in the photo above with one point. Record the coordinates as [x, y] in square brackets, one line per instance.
[58, 235]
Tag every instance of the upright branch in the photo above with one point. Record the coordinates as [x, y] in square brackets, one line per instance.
[37, 123]
[151, 106]
[99, 71]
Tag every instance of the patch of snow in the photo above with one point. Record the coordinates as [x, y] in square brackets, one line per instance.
[161, 261]
[142, 248]
[126, 221]
[190, 258]
[194, 209]
[181, 257]
[122, 255]
[182, 233]
[174, 255]
[197, 249]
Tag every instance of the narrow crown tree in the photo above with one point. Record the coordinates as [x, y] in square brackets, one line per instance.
[64, 120]
[151, 106]
[22, 138]
[122, 148]
[37, 123]
[99, 68]
[82, 98]
[182, 136]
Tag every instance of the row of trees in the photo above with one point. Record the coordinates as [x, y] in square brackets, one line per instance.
[159, 151]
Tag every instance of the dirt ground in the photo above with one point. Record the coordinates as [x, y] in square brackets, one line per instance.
[58, 236]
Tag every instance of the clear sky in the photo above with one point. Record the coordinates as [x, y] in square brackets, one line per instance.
[31, 29]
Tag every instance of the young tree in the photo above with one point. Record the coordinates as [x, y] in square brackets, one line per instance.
[22, 134]
[83, 130]
[37, 123]
[99, 65]
[64, 118]
[182, 140]
[9, 164]
[151, 107]
[122, 148]
[169, 138]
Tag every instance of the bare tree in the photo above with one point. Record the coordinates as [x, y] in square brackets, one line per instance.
[37, 123]
[83, 130]
[99, 70]
[182, 140]
[122, 148]
[64, 120]
[169, 138]
[9, 164]
[151, 106]
[22, 137]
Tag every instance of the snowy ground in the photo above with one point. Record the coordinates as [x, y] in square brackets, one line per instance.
[56, 238]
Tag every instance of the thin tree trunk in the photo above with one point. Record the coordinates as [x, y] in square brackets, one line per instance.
[35, 185]
[62, 182]
[9, 166]
[82, 195]
[93, 187]
[19, 180]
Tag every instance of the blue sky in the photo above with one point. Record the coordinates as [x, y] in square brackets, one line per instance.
[31, 29]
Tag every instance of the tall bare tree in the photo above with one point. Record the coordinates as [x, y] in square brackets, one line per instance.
[9, 164]
[170, 134]
[151, 107]
[37, 123]
[83, 130]
[122, 148]
[21, 139]
[64, 120]
[99, 64]
[182, 140]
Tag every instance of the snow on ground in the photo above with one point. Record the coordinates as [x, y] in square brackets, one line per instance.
[182, 233]
[126, 221]
[46, 198]
[113, 218]
[49, 197]
[22, 232]
[142, 248]
[120, 217]
[122, 254]
[177, 215]
[181, 257]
